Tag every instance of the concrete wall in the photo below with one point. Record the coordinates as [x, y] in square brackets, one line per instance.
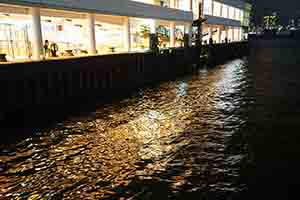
[62, 82]
[110, 7]
[36, 86]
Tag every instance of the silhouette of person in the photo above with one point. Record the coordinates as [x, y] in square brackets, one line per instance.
[46, 48]
[53, 49]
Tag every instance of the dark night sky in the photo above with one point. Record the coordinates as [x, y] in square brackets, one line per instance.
[286, 8]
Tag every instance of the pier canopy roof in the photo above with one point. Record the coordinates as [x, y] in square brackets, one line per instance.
[110, 7]
[235, 3]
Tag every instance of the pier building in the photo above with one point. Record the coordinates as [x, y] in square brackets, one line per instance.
[91, 27]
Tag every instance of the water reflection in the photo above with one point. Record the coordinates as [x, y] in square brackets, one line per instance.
[172, 141]
[182, 89]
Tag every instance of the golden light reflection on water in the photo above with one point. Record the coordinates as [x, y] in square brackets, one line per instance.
[168, 129]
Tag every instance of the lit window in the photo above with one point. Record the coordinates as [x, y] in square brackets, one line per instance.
[225, 11]
[207, 7]
[236, 34]
[231, 12]
[242, 15]
[217, 9]
[196, 9]
[237, 14]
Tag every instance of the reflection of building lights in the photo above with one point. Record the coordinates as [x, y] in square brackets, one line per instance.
[182, 89]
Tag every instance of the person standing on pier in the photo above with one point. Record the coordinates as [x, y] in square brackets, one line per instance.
[53, 49]
[46, 48]
[226, 40]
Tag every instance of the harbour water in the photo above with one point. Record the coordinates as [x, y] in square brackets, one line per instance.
[228, 132]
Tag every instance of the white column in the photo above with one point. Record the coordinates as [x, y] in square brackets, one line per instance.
[91, 34]
[219, 35]
[234, 13]
[232, 30]
[37, 39]
[241, 34]
[188, 30]
[190, 5]
[127, 38]
[209, 32]
[228, 12]
[212, 8]
[153, 36]
[172, 34]
[152, 26]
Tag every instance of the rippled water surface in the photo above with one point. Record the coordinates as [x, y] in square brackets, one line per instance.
[204, 136]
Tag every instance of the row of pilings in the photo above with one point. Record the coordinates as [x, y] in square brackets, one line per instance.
[58, 84]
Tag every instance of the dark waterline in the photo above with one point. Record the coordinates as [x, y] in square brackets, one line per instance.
[229, 132]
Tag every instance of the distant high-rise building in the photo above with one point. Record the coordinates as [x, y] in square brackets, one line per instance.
[225, 19]
[298, 23]
[291, 24]
[271, 21]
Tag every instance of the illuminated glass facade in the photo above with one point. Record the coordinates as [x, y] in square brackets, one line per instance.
[207, 7]
[224, 20]
[112, 26]
[117, 26]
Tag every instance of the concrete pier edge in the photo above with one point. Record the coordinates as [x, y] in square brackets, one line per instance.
[35, 86]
